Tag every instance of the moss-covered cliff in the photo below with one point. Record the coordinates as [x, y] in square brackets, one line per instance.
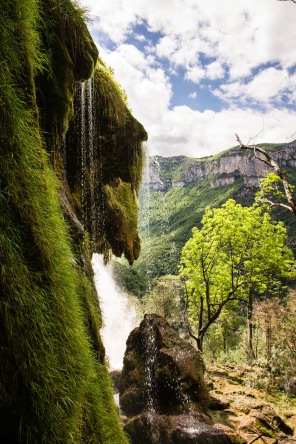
[63, 194]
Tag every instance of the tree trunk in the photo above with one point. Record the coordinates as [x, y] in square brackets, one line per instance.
[268, 337]
[224, 334]
[250, 324]
[199, 343]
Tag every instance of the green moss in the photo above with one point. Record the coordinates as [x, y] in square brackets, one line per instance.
[121, 134]
[54, 384]
[71, 55]
[121, 220]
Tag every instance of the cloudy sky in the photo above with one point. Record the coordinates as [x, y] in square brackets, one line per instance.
[198, 71]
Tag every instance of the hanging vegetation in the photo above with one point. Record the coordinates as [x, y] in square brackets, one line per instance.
[54, 385]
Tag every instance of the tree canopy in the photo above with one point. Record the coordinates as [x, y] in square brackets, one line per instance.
[237, 251]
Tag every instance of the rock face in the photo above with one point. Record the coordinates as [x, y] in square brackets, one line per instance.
[70, 172]
[160, 371]
[162, 387]
[166, 172]
[159, 429]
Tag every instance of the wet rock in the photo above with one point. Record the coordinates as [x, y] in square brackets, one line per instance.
[151, 428]
[218, 404]
[282, 426]
[160, 370]
[259, 422]
[233, 434]
[284, 439]
[115, 377]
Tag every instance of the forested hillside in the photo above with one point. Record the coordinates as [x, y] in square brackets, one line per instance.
[177, 190]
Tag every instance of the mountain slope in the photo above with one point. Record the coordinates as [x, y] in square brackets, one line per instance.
[177, 190]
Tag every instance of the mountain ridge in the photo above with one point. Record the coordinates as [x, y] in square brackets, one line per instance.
[221, 169]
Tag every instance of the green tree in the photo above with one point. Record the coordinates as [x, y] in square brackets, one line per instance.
[238, 251]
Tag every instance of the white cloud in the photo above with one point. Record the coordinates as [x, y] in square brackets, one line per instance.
[209, 41]
[240, 34]
[192, 95]
[215, 70]
[166, 47]
[206, 133]
[268, 85]
[148, 88]
[195, 74]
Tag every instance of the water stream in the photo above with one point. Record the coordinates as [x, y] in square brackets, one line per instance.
[119, 315]
[150, 361]
[91, 136]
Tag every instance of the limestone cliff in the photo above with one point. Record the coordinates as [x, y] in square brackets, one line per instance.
[70, 173]
[222, 169]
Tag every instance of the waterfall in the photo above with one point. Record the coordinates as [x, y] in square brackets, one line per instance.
[165, 224]
[146, 210]
[119, 316]
[83, 151]
[91, 135]
[150, 361]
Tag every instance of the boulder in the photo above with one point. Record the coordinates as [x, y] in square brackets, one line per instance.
[218, 404]
[151, 428]
[161, 371]
[284, 439]
[115, 377]
[291, 386]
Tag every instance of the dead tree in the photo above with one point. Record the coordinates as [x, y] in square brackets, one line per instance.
[269, 161]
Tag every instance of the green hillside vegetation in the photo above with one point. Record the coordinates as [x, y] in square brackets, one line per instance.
[166, 217]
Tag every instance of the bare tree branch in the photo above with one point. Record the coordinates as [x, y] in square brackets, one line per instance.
[274, 204]
[285, 152]
[278, 171]
[259, 436]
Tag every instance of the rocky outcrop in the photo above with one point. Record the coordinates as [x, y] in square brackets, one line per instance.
[150, 428]
[222, 169]
[163, 391]
[247, 409]
[160, 371]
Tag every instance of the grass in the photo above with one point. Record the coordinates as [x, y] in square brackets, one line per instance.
[54, 386]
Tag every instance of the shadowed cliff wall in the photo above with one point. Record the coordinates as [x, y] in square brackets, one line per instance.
[54, 385]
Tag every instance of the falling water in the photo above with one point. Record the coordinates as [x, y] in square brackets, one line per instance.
[165, 221]
[119, 316]
[150, 361]
[83, 150]
[146, 211]
[165, 224]
[91, 135]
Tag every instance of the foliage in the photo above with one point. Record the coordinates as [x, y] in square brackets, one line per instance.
[271, 189]
[237, 250]
[54, 386]
[166, 299]
[276, 331]
[129, 279]
[166, 217]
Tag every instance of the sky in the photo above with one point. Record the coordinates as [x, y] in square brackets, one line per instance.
[198, 71]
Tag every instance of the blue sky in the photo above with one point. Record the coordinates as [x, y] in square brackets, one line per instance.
[198, 72]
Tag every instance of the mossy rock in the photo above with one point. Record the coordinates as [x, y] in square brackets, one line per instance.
[175, 375]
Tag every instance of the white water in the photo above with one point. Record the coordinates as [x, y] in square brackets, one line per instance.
[119, 316]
